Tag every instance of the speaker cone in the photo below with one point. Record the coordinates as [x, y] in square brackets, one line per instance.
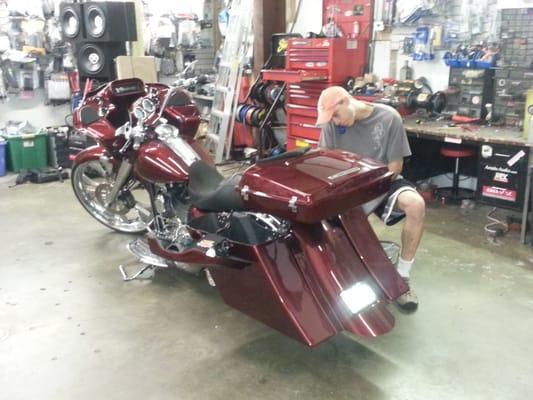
[96, 21]
[70, 23]
[91, 59]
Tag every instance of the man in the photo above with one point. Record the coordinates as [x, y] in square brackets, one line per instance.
[376, 131]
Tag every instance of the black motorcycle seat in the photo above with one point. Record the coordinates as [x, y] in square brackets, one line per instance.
[209, 190]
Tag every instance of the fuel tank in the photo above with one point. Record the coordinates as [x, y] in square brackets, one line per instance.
[157, 162]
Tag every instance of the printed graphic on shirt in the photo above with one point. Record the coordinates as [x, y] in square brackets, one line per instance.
[378, 134]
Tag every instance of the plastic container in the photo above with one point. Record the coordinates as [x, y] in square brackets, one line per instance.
[406, 72]
[486, 64]
[3, 146]
[27, 151]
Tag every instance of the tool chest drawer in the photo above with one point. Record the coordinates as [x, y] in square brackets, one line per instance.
[294, 109]
[301, 119]
[311, 88]
[306, 131]
[302, 99]
[339, 57]
[306, 94]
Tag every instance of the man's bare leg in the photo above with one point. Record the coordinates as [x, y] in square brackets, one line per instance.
[414, 207]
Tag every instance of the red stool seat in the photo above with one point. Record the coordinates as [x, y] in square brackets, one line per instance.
[455, 193]
[456, 152]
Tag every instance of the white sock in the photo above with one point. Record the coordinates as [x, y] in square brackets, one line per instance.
[404, 267]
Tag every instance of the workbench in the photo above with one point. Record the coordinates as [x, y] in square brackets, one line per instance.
[502, 153]
[470, 133]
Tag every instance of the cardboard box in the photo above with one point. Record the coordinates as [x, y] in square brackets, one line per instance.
[143, 68]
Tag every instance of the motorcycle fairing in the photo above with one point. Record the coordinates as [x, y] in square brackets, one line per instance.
[89, 154]
[101, 130]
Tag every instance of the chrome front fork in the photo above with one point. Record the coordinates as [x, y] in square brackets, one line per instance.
[122, 177]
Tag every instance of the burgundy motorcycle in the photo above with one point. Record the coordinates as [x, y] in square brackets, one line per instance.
[287, 242]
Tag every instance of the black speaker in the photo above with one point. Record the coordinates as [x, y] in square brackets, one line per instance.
[110, 21]
[97, 60]
[71, 21]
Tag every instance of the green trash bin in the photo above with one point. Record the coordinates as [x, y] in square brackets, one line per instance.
[26, 151]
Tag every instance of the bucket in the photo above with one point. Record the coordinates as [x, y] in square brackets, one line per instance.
[2, 157]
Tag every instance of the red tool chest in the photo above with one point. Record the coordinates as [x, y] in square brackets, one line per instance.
[312, 65]
[339, 58]
[336, 59]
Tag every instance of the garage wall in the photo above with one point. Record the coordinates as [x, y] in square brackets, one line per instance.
[310, 16]
[477, 20]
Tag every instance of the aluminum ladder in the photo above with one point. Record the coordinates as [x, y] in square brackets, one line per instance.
[227, 85]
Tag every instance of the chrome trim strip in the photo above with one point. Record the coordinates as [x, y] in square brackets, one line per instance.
[344, 173]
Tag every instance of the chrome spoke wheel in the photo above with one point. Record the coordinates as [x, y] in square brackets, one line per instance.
[92, 182]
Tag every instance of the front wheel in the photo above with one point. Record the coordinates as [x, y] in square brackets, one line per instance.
[92, 182]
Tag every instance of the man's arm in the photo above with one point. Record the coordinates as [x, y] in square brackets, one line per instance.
[397, 144]
[396, 167]
[326, 137]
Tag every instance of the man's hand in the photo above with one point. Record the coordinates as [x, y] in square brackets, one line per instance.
[396, 167]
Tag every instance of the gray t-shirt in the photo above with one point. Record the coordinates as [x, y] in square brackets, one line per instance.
[381, 136]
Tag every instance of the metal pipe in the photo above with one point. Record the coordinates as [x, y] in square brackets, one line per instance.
[525, 209]
[456, 178]
[122, 176]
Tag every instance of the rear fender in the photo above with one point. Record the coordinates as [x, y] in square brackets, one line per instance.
[371, 253]
[332, 266]
[295, 284]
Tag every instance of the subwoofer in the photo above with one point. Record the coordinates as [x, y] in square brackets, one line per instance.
[71, 21]
[110, 21]
[97, 60]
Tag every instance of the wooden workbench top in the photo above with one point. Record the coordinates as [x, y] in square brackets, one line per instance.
[468, 133]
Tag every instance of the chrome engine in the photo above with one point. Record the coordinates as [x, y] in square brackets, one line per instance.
[171, 207]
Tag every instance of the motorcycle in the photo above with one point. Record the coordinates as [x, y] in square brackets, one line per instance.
[286, 242]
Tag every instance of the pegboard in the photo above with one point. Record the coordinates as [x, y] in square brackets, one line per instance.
[347, 13]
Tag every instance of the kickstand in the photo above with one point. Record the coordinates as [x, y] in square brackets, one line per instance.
[124, 273]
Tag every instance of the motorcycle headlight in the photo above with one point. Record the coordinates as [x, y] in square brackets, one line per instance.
[139, 113]
[148, 106]
[358, 297]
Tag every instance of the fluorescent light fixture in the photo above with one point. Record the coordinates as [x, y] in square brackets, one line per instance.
[358, 297]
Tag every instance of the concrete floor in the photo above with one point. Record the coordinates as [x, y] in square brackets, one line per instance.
[70, 328]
